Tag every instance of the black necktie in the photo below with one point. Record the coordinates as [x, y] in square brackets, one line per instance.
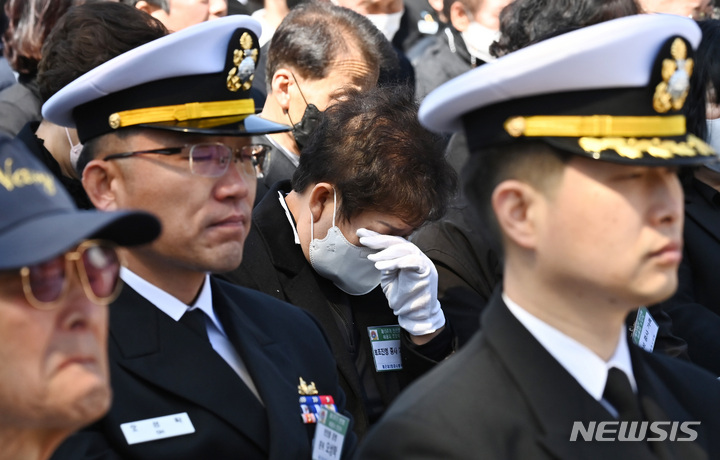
[618, 392]
[195, 320]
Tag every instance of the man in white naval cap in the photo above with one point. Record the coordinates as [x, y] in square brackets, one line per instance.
[575, 146]
[199, 368]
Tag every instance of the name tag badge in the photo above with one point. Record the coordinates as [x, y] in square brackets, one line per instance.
[329, 435]
[385, 342]
[645, 330]
[153, 429]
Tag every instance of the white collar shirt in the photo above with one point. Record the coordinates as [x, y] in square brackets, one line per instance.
[583, 364]
[289, 216]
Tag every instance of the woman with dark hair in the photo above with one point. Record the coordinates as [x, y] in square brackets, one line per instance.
[29, 23]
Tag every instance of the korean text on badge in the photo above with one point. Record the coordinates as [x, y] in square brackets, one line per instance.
[385, 343]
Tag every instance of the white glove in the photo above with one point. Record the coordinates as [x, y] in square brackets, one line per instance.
[409, 281]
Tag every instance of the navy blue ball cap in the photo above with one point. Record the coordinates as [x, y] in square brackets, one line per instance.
[40, 221]
[197, 80]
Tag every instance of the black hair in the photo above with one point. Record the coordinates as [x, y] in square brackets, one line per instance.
[372, 148]
[524, 22]
[87, 36]
[531, 161]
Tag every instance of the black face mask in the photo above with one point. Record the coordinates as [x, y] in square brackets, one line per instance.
[307, 125]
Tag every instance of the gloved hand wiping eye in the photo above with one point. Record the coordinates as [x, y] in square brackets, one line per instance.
[409, 280]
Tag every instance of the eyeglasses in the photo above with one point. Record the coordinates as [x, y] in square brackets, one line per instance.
[46, 284]
[210, 160]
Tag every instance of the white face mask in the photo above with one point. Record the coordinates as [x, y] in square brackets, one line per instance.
[713, 138]
[343, 263]
[74, 150]
[478, 39]
[388, 24]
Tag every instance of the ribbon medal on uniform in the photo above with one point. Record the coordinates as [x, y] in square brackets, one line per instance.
[311, 402]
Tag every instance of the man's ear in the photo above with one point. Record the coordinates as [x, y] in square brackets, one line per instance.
[149, 8]
[281, 81]
[321, 200]
[98, 180]
[458, 17]
[515, 205]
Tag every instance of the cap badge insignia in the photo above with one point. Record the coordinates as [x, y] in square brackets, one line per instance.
[672, 91]
[244, 61]
[306, 390]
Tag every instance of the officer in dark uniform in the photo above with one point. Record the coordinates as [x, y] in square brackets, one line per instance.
[200, 368]
[575, 143]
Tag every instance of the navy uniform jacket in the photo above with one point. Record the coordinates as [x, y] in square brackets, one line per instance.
[274, 264]
[503, 396]
[161, 367]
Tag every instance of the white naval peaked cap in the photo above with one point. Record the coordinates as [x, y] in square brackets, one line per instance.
[195, 80]
[612, 91]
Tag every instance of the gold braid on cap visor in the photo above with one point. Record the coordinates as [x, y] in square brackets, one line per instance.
[595, 126]
[597, 133]
[182, 112]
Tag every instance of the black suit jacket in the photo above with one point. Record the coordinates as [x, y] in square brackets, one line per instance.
[274, 264]
[160, 367]
[408, 34]
[695, 307]
[503, 396]
[468, 267]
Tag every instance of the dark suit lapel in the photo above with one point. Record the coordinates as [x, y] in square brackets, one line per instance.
[268, 367]
[659, 405]
[706, 217]
[156, 348]
[303, 291]
[553, 395]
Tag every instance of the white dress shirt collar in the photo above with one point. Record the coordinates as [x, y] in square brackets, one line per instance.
[167, 303]
[583, 364]
[290, 219]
